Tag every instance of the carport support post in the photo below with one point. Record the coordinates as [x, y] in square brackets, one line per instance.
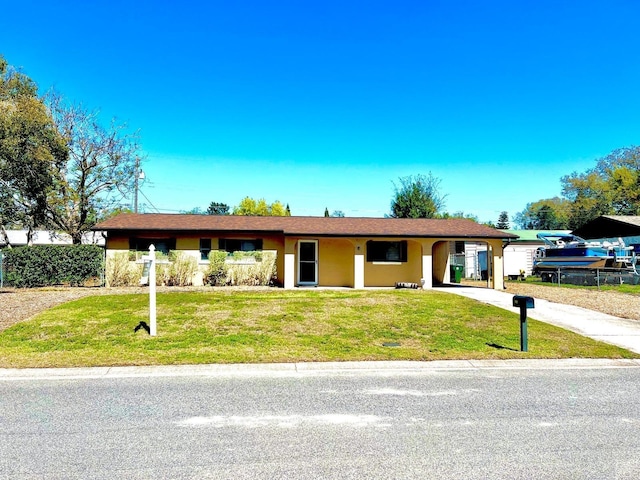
[152, 291]
[524, 341]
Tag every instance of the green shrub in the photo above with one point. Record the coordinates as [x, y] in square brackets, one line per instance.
[46, 265]
[254, 256]
[253, 274]
[121, 272]
[217, 273]
[182, 269]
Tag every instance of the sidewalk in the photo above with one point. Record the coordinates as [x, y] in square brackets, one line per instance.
[599, 326]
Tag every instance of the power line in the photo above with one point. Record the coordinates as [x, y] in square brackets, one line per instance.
[150, 203]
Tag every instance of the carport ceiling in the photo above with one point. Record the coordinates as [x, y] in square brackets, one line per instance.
[610, 226]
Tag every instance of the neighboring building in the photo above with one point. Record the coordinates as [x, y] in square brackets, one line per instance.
[18, 238]
[611, 227]
[518, 254]
[317, 251]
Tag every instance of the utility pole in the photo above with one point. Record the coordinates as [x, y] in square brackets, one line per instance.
[139, 175]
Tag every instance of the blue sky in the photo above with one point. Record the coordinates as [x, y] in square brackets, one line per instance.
[326, 104]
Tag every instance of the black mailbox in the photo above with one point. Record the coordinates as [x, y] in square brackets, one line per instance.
[522, 301]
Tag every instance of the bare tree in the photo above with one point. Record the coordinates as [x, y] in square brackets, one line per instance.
[99, 173]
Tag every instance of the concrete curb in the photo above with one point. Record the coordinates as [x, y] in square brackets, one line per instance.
[308, 369]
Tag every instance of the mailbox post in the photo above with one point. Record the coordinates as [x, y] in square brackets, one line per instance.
[524, 303]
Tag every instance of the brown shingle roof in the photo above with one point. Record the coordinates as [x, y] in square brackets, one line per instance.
[319, 226]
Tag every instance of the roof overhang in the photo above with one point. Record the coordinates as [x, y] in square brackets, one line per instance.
[610, 226]
[304, 226]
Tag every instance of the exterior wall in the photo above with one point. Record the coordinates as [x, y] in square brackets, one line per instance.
[190, 244]
[441, 272]
[272, 243]
[117, 243]
[517, 258]
[497, 261]
[386, 274]
[341, 261]
[335, 262]
[337, 266]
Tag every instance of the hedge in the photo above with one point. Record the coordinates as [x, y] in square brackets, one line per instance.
[46, 265]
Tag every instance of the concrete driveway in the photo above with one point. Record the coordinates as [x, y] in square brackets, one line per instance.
[599, 326]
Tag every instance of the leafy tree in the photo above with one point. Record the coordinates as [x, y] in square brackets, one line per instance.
[113, 212]
[99, 172]
[216, 208]
[260, 208]
[468, 216]
[612, 187]
[547, 214]
[335, 213]
[503, 221]
[30, 150]
[277, 209]
[194, 211]
[417, 197]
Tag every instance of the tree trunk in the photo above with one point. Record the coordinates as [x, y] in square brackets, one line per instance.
[5, 235]
[76, 238]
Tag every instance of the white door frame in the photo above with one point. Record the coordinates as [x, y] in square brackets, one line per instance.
[315, 261]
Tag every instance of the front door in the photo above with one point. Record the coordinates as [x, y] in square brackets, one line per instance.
[308, 262]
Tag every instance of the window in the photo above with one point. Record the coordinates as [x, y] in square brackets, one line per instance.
[386, 251]
[231, 245]
[163, 245]
[205, 248]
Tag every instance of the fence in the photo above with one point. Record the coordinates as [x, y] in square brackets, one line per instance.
[590, 276]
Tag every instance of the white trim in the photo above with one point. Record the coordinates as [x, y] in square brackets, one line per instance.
[358, 263]
[289, 270]
[427, 271]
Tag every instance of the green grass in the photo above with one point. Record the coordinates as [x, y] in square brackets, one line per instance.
[621, 288]
[235, 326]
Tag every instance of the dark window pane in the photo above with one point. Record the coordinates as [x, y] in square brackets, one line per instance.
[205, 248]
[231, 245]
[386, 251]
[162, 245]
[307, 251]
[308, 271]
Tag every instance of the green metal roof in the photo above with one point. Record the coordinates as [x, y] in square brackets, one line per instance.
[532, 235]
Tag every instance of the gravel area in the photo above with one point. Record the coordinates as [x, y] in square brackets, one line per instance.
[17, 305]
[20, 304]
[607, 301]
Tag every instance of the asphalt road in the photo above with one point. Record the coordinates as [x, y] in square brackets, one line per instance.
[573, 423]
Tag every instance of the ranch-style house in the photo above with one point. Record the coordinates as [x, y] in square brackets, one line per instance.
[318, 251]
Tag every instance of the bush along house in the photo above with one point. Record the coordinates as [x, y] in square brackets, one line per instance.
[314, 251]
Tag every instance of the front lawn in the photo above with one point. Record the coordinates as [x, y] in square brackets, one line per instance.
[255, 326]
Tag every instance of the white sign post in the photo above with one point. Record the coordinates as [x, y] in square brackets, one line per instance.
[152, 291]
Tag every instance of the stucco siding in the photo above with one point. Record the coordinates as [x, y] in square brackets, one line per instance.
[335, 263]
[188, 243]
[117, 243]
[386, 274]
[441, 253]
